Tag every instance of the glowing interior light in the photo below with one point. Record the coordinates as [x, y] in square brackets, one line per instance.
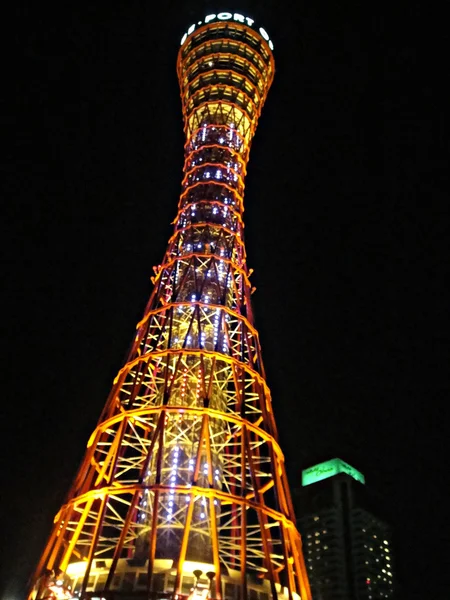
[202, 515]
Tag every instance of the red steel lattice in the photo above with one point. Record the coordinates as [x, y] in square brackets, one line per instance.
[183, 489]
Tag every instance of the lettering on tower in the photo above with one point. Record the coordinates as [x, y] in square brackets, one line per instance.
[227, 16]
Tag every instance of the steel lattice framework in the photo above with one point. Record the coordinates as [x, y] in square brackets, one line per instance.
[183, 487]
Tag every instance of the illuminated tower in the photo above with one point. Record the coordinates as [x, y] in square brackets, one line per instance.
[183, 488]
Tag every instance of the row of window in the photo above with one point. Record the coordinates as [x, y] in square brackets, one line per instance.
[224, 71]
[227, 46]
[161, 582]
[228, 31]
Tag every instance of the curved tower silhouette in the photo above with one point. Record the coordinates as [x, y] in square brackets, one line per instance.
[183, 490]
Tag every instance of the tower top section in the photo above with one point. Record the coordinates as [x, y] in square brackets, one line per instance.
[232, 17]
[225, 68]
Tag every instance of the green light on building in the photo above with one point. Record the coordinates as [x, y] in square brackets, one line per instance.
[330, 468]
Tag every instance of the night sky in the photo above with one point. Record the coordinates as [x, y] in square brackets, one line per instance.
[345, 229]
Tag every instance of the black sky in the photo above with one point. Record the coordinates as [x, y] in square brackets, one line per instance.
[346, 223]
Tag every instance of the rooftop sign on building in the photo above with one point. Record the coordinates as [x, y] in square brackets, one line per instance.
[328, 469]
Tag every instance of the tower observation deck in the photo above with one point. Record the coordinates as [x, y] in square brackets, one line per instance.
[183, 491]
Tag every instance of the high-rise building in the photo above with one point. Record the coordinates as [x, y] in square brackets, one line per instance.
[183, 490]
[348, 550]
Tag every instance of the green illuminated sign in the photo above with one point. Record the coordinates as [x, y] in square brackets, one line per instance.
[330, 468]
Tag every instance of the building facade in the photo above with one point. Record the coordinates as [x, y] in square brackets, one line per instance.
[183, 489]
[348, 550]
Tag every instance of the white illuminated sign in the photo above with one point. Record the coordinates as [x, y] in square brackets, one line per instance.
[228, 16]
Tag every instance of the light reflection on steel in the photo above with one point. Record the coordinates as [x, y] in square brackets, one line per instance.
[184, 468]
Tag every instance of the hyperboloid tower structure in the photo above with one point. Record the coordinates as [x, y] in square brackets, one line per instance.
[183, 490]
